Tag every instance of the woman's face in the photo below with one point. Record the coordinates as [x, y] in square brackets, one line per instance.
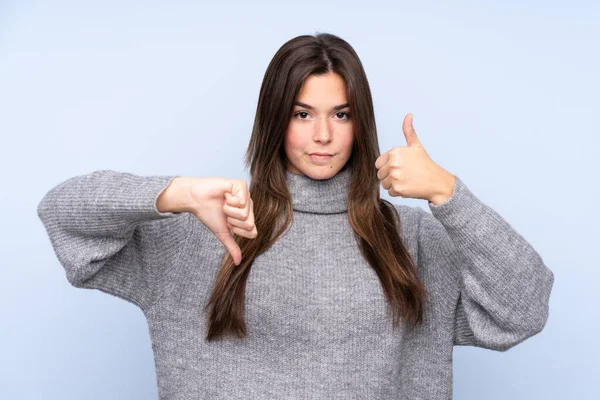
[320, 123]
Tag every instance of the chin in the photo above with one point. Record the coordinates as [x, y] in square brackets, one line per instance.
[314, 170]
[321, 173]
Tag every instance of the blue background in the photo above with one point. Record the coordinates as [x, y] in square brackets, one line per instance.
[504, 95]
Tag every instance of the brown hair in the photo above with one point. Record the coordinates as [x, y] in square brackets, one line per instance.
[375, 221]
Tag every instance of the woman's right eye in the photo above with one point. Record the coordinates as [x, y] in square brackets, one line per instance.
[300, 112]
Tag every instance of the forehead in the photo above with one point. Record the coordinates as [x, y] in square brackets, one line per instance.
[323, 91]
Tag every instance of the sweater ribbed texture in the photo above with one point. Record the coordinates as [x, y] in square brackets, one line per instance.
[319, 326]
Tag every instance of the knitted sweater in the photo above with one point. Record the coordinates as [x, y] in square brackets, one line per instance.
[319, 326]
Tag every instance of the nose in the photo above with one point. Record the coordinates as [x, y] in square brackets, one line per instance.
[323, 131]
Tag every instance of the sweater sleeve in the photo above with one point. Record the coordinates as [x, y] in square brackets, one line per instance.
[504, 286]
[108, 234]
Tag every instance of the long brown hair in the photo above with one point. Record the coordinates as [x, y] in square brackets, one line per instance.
[375, 221]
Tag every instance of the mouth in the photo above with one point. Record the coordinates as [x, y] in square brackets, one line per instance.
[320, 158]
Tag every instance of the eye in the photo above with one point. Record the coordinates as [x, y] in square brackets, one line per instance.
[300, 112]
[344, 113]
[303, 114]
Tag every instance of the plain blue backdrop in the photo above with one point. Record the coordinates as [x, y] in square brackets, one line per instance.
[504, 94]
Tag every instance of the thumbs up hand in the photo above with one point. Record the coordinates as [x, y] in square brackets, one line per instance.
[408, 171]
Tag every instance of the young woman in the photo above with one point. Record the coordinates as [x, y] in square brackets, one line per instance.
[306, 284]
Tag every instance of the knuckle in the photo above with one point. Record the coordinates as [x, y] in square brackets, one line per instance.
[395, 162]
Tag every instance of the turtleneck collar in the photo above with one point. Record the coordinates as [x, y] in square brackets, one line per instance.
[326, 196]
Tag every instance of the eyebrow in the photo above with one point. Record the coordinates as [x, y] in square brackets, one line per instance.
[298, 103]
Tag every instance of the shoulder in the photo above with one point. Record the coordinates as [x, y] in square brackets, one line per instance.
[410, 217]
[432, 249]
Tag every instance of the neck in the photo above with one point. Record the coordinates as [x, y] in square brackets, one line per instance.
[325, 196]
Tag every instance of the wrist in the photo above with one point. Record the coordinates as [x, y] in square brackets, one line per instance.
[446, 189]
[174, 197]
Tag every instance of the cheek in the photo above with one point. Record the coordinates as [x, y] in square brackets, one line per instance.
[295, 140]
[347, 139]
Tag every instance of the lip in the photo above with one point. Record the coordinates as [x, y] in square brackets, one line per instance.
[319, 158]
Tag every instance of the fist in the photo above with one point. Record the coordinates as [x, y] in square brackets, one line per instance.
[408, 171]
[224, 206]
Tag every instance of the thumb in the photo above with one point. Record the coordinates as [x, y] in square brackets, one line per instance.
[231, 245]
[409, 131]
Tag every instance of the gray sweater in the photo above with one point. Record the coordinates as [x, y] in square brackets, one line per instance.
[318, 324]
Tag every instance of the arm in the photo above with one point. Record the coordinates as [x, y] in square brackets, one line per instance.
[108, 234]
[504, 284]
